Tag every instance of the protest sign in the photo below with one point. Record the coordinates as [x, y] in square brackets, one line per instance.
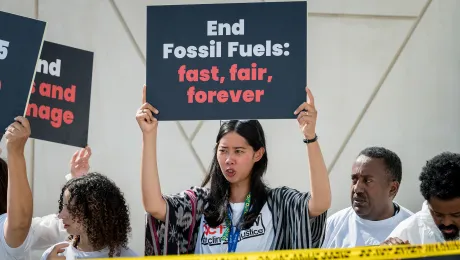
[59, 104]
[21, 40]
[226, 61]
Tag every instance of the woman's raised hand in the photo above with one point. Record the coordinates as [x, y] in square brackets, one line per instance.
[144, 116]
[306, 116]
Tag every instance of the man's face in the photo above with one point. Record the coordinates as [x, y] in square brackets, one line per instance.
[446, 215]
[371, 188]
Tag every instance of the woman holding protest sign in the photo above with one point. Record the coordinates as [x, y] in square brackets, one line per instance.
[17, 207]
[238, 212]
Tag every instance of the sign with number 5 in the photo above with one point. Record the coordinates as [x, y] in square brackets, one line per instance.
[21, 41]
[4, 49]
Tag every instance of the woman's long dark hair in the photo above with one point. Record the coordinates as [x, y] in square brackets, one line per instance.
[216, 211]
[3, 186]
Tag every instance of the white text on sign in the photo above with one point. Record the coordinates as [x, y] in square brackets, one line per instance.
[4, 49]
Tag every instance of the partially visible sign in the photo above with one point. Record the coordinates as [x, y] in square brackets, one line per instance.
[21, 40]
[59, 105]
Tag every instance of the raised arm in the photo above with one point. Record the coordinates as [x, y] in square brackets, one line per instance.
[152, 197]
[20, 205]
[320, 189]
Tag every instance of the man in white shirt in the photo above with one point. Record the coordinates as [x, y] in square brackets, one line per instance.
[439, 218]
[375, 179]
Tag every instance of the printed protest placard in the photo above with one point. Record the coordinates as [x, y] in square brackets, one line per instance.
[59, 104]
[21, 40]
[226, 61]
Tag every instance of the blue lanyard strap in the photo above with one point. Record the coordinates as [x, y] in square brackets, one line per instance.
[232, 233]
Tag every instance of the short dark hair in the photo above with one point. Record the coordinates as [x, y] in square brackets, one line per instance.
[440, 177]
[390, 158]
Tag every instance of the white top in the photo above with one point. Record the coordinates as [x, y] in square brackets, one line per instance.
[346, 229]
[44, 232]
[258, 238]
[71, 253]
[47, 231]
[7, 253]
[419, 228]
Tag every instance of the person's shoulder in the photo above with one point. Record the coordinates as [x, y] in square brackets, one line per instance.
[340, 215]
[408, 227]
[409, 222]
[3, 218]
[284, 190]
[48, 251]
[18, 251]
[60, 243]
[128, 252]
[200, 190]
[195, 190]
[404, 211]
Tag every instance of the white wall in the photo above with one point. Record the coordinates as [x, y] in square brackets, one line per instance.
[352, 47]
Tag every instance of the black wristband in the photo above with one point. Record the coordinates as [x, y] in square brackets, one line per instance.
[307, 141]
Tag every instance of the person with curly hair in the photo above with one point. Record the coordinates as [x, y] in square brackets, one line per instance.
[48, 230]
[439, 219]
[96, 215]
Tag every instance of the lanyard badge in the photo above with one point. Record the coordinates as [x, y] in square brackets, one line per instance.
[232, 233]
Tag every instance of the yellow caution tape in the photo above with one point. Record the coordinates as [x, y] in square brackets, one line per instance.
[368, 252]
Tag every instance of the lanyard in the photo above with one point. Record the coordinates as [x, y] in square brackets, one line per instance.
[232, 233]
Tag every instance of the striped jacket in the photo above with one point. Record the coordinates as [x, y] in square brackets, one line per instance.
[294, 229]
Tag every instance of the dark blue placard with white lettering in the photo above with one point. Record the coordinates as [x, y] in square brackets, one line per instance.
[21, 40]
[185, 48]
[60, 99]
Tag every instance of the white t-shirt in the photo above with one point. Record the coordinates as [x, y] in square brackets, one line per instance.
[71, 253]
[346, 229]
[7, 253]
[419, 229]
[258, 238]
[44, 232]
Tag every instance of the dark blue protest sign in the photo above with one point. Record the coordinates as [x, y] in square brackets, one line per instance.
[226, 61]
[60, 98]
[21, 40]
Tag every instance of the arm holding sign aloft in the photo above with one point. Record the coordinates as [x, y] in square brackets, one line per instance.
[152, 197]
[320, 189]
[20, 204]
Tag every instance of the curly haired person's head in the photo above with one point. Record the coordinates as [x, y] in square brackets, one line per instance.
[440, 182]
[94, 208]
